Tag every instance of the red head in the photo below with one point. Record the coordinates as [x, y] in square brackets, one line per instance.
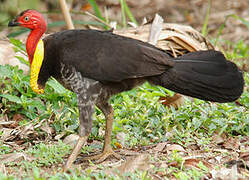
[33, 20]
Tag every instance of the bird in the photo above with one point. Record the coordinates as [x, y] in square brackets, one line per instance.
[98, 64]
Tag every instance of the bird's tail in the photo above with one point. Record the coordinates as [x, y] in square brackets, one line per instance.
[205, 75]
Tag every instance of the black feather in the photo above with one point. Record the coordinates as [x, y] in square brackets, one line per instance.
[205, 75]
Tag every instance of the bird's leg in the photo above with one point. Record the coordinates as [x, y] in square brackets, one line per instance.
[87, 91]
[85, 113]
[107, 151]
[86, 109]
[81, 141]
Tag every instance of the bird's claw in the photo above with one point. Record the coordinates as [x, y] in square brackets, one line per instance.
[103, 155]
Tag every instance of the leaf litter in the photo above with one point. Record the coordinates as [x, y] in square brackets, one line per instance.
[229, 154]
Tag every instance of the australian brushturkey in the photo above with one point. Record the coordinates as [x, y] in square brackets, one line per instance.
[98, 64]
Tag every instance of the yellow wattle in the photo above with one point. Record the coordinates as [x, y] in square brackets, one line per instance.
[36, 66]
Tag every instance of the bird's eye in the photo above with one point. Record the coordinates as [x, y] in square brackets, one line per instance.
[26, 18]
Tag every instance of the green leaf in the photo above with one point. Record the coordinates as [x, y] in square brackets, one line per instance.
[245, 22]
[96, 9]
[17, 43]
[5, 71]
[22, 60]
[57, 86]
[12, 98]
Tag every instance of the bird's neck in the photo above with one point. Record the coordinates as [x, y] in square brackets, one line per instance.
[33, 39]
[35, 50]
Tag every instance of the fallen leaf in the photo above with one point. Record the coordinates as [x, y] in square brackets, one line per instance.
[175, 147]
[127, 152]
[59, 136]
[6, 133]
[190, 163]
[26, 131]
[140, 162]
[173, 164]
[231, 143]
[46, 128]
[193, 147]
[175, 101]
[13, 157]
[244, 156]
[16, 118]
[71, 139]
[160, 147]
[6, 123]
[155, 29]
[218, 139]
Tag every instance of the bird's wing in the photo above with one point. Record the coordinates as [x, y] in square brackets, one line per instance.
[104, 56]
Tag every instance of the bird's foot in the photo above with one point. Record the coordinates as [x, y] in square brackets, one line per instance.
[107, 152]
[74, 153]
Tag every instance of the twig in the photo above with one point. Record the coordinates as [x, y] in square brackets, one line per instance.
[96, 18]
[66, 14]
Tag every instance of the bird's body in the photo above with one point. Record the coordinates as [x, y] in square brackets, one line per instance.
[98, 64]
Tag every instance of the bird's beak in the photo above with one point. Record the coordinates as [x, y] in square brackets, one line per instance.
[13, 22]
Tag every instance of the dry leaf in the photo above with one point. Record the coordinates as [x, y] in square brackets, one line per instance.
[17, 117]
[13, 157]
[59, 136]
[46, 128]
[218, 139]
[6, 133]
[231, 143]
[126, 152]
[193, 147]
[173, 163]
[155, 30]
[175, 101]
[190, 163]
[160, 147]
[244, 156]
[71, 139]
[175, 147]
[26, 131]
[140, 162]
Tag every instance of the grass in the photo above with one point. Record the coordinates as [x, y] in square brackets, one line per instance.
[138, 114]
